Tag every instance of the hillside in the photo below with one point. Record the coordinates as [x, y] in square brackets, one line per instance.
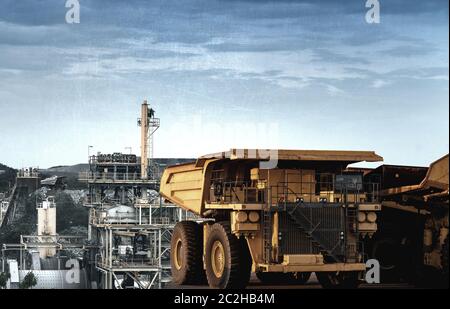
[71, 171]
[75, 169]
[7, 177]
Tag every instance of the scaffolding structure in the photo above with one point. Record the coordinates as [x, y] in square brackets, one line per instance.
[129, 225]
[132, 244]
[27, 181]
[48, 255]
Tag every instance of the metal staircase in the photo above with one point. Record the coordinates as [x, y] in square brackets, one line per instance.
[332, 248]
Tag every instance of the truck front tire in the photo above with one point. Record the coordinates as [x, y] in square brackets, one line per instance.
[227, 259]
[186, 253]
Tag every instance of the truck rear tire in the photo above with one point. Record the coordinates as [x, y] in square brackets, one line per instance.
[186, 253]
[227, 259]
[339, 280]
[284, 278]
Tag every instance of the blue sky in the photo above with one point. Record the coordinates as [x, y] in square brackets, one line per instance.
[223, 73]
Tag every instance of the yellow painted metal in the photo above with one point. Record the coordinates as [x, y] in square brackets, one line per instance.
[275, 231]
[188, 185]
[235, 206]
[218, 259]
[183, 185]
[372, 217]
[310, 268]
[241, 216]
[245, 227]
[303, 259]
[437, 178]
[178, 256]
[294, 155]
[253, 216]
[369, 207]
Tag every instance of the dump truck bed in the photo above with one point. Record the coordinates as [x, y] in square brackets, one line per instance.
[436, 181]
[187, 185]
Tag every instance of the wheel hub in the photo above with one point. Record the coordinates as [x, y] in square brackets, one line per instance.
[218, 259]
[178, 254]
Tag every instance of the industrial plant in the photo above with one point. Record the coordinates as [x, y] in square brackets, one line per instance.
[218, 152]
[129, 225]
[226, 221]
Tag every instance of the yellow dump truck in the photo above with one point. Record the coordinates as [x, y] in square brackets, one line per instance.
[411, 243]
[282, 214]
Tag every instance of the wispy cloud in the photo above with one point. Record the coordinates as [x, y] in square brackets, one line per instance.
[379, 83]
[278, 57]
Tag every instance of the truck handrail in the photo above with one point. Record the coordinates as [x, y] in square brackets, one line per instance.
[312, 192]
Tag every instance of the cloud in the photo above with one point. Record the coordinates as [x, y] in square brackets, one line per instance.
[287, 43]
[334, 91]
[223, 59]
[323, 55]
[379, 83]
[410, 50]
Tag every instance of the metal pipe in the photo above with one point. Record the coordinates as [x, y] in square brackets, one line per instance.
[110, 248]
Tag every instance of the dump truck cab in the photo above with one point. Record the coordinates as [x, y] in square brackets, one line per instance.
[280, 213]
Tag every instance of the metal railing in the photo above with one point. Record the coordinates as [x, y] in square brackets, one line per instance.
[133, 261]
[285, 192]
[325, 192]
[53, 241]
[113, 158]
[102, 217]
[108, 176]
[236, 192]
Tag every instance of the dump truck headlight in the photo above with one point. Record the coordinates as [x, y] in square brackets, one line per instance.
[361, 217]
[253, 216]
[241, 216]
[372, 217]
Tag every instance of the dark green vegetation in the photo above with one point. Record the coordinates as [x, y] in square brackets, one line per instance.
[69, 215]
[26, 225]
[29, 281]
[4, 277]
[7, 177]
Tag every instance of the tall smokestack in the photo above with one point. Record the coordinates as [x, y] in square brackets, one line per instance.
[144, 140]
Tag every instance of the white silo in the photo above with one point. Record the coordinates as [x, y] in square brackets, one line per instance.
[46, 227]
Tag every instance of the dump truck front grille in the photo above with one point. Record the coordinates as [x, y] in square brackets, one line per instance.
[293, 241]
[312, 229]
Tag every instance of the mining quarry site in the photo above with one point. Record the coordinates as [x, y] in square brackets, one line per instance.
[224, 221]
[239, 150]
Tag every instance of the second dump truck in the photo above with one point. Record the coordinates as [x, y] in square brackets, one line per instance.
[282, 214]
